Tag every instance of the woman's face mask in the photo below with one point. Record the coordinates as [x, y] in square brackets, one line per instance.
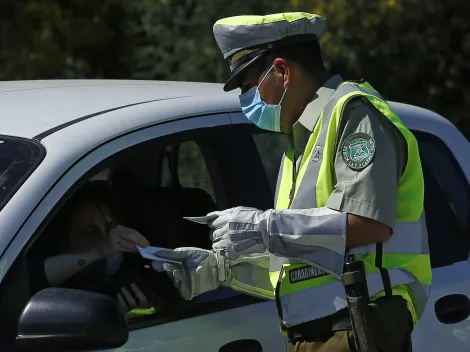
[265, 116]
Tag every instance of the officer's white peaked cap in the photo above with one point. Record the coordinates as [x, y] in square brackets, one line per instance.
[243, 39]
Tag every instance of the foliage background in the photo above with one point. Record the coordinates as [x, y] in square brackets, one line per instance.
[413, 51]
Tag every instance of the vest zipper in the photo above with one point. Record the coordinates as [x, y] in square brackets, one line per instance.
[291, 193]
[294, 179]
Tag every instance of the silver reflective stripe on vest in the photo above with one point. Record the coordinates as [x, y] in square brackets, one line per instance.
[321, 301]
[370, 92]
[419, 294]
[408, 238]
[404, 239]
[306, 195]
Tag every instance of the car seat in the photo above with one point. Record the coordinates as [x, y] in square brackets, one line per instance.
[157, 213]
[192, 202]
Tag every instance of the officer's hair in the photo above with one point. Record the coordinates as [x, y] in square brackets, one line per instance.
[307, 55]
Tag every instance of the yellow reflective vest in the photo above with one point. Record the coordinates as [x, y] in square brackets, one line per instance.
[401, 266]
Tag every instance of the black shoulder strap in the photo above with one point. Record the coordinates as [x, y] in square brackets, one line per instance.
[383, 272]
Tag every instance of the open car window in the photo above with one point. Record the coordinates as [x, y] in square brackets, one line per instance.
[18, 158]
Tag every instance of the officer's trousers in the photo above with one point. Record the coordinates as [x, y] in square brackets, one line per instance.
[389, 321]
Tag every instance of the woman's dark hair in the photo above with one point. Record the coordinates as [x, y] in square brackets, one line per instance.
[95, 191]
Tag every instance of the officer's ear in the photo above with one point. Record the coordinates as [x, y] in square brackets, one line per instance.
[282, 70]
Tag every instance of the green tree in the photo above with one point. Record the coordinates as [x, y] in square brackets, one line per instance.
[176, 41]
[65, 39]
[412, 51]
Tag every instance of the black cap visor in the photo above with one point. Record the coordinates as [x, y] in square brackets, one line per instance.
[233, 81]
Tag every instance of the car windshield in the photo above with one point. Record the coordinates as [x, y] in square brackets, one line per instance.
[18, 158]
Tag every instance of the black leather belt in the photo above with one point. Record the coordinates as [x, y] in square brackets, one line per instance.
[320, 329]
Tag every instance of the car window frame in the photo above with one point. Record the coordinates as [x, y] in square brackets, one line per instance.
[74, 177]
[422, 135]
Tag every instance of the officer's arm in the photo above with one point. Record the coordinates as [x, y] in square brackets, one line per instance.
[368, 194]
[363, 231]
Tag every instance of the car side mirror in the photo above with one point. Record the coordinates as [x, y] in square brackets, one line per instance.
[60, 319]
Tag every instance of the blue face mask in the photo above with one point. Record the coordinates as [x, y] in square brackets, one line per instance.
[265, 116]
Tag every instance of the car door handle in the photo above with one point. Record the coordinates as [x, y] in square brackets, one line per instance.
[452, 309]
[246, 345]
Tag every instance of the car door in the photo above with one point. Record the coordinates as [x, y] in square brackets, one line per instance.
[445, 324]
[220, 318]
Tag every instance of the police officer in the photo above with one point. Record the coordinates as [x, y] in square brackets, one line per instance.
[350, 187]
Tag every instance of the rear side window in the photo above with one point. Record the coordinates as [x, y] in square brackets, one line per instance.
[192, 169]
[18, 158]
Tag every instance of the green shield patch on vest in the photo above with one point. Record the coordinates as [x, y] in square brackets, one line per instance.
[358, 150]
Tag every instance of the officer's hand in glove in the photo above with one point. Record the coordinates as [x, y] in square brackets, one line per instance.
[239, 232]
[197, 272]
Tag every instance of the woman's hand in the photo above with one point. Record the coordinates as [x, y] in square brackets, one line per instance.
[127, 302]
[122, 239]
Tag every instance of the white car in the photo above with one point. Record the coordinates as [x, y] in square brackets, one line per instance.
[192, 139]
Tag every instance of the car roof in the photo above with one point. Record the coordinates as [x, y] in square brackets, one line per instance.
[31, 108]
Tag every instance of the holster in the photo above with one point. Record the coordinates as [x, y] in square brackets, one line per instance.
[358, 300]
[360, 324]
